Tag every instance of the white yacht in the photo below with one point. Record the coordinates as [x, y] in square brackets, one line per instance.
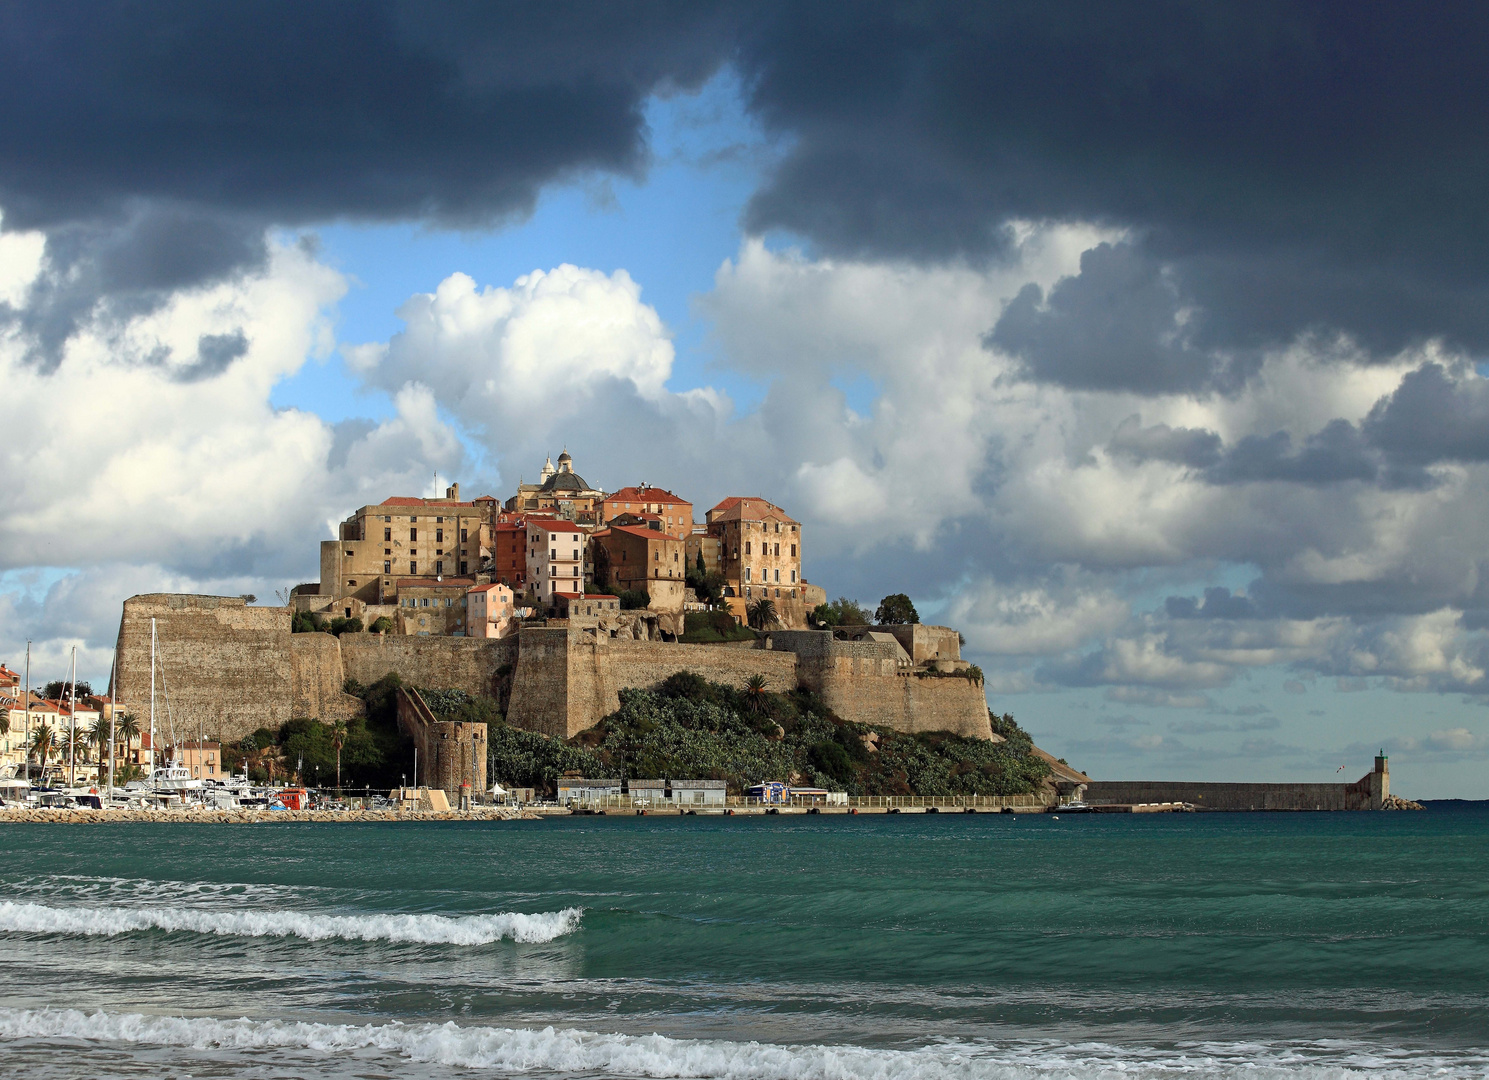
[174, 777]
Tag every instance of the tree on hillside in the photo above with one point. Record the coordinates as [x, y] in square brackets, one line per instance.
[381, 625]
[754, 692]
[761, 614]
[840, 612]
[896, 608]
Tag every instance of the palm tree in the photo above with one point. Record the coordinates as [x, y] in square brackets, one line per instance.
[42, 743]
[126, 730]
[761, 614]
[755, 693]
[338, 740]
[4, 722]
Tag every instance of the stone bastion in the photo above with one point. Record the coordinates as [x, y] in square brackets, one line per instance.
[229, 669]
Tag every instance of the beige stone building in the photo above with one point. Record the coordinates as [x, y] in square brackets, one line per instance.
[760, 548]
[204, 759]
[400, 539]
[429, 607]
[675, 514]
[644, 560]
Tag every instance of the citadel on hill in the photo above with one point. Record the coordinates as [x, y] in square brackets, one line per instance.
[550, 603]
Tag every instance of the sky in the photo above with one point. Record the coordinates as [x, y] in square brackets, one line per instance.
[1143, 343]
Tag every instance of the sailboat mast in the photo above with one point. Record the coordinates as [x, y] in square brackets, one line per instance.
[72, 739]
[113, 715]
[152, 698]
[26, 746]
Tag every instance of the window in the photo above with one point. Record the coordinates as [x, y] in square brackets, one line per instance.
[413, 567]
[352, 583]
[747, 547]
[350, 554]
[413, 536]
[576, 554]
[778, 578]
[387, 517]
[778, 550]
[747, 577]
[387, 536]
[413, 519]
[656, 556]
[793, 577]
[387, 567]
[439, 566]
[413, 551]
[439, 535]
[463, 565]
[464, 535]
[387, 551]
[793, 551]
[424, 602]
[553, 553]
[438, 520]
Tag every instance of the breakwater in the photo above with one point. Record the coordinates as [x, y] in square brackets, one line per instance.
[1371, 792]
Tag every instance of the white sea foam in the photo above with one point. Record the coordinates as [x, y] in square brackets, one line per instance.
[553, 1051]
[426, 929]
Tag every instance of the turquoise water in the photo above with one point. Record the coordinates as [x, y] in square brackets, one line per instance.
[958, 946]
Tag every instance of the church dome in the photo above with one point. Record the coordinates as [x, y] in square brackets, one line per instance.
[565, 462]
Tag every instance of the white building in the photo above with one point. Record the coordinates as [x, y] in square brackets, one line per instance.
[555, 557]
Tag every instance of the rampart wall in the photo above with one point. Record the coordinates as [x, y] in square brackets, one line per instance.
[450, 663]
[228, 668]
[1367, 793]
[860, 680]
[232, 669]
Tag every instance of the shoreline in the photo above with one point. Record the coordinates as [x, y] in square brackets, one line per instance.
[59, 816]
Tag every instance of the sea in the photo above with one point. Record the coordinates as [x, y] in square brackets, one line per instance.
[905, 947]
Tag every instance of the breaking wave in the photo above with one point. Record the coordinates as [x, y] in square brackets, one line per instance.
[424, 929]
[553, 1051]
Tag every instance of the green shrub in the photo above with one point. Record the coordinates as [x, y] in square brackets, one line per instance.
[702, 627]
[633, 599]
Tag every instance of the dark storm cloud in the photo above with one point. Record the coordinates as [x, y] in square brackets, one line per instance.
[1195, 447]
[1431, 418]
[1336, 454]
[1281, 167]
[305, 111]
[1293, 166]
[155, 143]
[1219, 603]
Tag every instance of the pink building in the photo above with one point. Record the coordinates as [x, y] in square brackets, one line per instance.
[489, 611]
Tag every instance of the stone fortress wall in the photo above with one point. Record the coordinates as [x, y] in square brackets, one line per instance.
[233, 668]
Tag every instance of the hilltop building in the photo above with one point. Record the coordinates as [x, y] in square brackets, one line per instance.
[673, 514]
[637, 559]
[401, 539]
[555, 556]
[559, 493]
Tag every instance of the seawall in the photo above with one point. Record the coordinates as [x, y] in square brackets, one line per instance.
[1368, 793]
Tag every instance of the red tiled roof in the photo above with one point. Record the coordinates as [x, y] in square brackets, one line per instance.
[410, 500]
[736, 508]
[636, 494]
[638, 530]
[487, 588]
[554, 525]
